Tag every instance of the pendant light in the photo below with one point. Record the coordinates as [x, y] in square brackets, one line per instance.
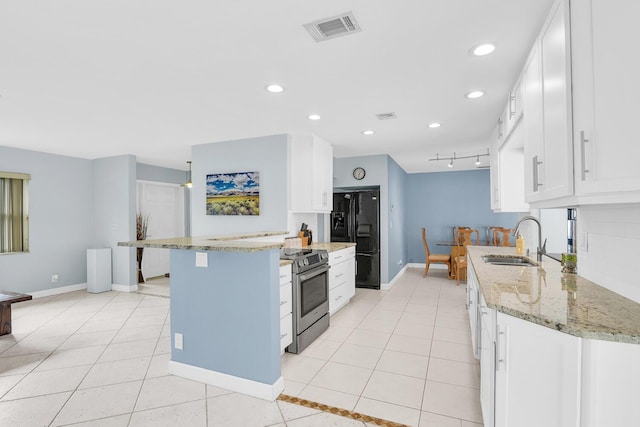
[188, 183]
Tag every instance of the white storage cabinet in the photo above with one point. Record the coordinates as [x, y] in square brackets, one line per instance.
[286, 307]
[546, 80]
[311, 174]
[472, 306]
[342, 278]
[537, 375]
[605, 104]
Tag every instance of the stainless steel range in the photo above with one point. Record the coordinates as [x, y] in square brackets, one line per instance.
[310, 284]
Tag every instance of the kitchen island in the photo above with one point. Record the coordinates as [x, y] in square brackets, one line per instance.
[225, 311]
[555, 349]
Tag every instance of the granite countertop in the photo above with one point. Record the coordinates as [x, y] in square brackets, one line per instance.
[227, 243]
[561, 301]
[331, 246]
[284, 262]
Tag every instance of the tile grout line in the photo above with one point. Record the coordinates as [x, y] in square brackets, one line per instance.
[98, 358]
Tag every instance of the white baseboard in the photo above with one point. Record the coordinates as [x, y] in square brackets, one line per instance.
[56, 291]
[422, 265]
[124, 288]
[387, 286]
[79, 287]
[241, 385]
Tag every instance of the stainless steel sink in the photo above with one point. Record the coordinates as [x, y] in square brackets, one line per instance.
[508, 260]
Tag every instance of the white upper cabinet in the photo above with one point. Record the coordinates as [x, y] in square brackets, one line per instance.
[507, 177]
[580, 87]
[605, 102]
[311, 177]
[322, 175]
[513, 111]
[547, 111]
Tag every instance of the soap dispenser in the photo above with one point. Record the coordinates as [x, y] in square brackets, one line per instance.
[520, 244]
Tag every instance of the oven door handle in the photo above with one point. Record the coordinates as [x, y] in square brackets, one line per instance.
[316, 272]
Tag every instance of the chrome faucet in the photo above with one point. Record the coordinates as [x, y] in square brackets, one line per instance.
[542, 248]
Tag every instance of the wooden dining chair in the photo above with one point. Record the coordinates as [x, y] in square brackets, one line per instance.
[454, 231]
[463, 240]
[435, 258]
[490, 235]
[501, 236]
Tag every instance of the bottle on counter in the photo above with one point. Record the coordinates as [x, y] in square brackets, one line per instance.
[520, 244]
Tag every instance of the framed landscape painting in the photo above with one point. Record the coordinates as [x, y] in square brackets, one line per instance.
[235, 193]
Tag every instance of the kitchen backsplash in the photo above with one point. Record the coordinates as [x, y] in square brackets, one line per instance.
[611, 257]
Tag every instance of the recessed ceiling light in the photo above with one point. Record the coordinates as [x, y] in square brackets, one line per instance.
[314, 117]
[474, 94]
[483, 49]
[275, 88]
[368, 132]
[434, 125]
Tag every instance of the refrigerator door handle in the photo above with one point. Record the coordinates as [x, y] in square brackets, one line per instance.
[366, 255]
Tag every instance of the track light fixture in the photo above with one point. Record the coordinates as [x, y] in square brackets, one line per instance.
[456, 157]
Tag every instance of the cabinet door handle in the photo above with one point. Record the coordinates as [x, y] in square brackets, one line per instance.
[499, 347]
[536, 173]
[338, 298]
[283, 302]
[283, 335]
[339, 275]
[583, 155]
[512, 107]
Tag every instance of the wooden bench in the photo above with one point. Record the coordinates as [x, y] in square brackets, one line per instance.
[6, 299]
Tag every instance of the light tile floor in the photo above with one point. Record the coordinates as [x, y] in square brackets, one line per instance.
[101, 360]
[403, 355]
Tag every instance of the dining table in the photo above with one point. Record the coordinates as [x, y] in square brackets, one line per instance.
[457, 250]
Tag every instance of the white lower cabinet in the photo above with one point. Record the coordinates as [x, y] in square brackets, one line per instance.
[537, 375]
[487, 361]
[342, 278]
[610, 384]
[286, 306]
[472, 307]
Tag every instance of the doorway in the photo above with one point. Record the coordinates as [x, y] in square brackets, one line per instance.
[164, 203]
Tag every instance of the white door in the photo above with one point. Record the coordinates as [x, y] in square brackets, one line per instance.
[164, 203]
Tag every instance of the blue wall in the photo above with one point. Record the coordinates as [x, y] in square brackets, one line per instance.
[60, 221]
[267, 155]
[377, 175]
[114, 207]
[229, 314]
[159, 174]
[397, 217]
[441, 200]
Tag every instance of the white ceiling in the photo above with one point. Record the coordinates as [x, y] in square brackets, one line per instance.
[154, 77]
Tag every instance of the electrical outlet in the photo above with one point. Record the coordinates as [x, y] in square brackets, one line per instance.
[54, 278]
[177, 341]
[400, 261]
[201, 259]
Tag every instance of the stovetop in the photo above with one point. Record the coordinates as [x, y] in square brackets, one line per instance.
[305, 259]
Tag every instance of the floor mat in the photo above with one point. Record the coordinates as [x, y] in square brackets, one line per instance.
[338, 411]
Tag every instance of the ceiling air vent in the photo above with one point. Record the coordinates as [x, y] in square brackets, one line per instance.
[386, 116]
[330, 28]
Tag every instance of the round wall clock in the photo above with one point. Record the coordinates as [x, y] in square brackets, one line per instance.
[359, 173]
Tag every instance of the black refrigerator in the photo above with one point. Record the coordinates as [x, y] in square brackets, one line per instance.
[356, 218]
